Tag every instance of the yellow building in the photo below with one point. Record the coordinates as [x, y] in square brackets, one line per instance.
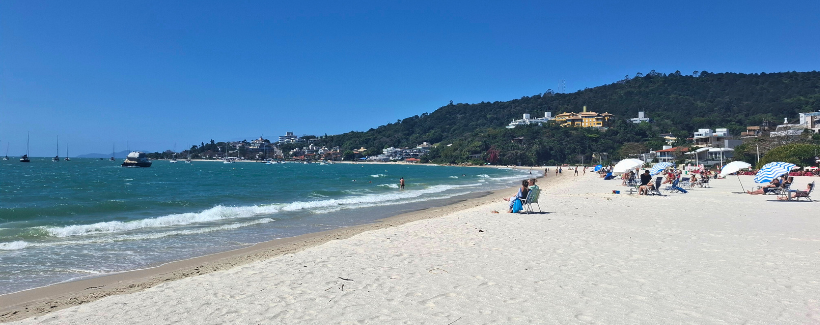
[584, 119]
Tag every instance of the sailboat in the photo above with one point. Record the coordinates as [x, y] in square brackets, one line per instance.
[228, 160]
[66, 153]
[25, 157]
[174, 158]
[57, 157]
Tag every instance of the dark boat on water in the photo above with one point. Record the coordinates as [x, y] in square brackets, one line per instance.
[136, 159]
[25, 157]
[57, 157]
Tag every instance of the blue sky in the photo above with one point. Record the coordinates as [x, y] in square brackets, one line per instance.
[160, 73]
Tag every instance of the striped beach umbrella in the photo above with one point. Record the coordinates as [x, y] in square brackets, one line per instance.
[659, 167]
[772, 170]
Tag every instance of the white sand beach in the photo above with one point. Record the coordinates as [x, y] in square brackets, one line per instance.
[707, 257]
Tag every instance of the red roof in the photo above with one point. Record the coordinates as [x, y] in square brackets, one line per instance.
[675, 149]
[412, 159]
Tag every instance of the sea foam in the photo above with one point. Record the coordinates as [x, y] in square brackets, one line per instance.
[12, 246]
[210, 215]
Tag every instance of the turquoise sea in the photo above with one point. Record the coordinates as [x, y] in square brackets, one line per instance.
[67, 220]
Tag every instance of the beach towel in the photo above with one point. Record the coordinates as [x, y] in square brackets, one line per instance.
[517, 206]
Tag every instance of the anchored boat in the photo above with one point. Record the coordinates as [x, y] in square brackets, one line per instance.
[136, 159]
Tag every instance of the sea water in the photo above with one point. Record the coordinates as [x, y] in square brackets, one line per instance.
[61, 221]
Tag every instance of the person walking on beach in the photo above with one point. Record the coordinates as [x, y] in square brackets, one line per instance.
[401, 183]
[576, 170]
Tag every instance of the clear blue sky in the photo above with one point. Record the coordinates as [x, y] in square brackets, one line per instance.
[156, 73]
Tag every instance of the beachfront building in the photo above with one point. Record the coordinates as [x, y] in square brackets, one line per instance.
[709, 138]
[810, 120]
[640, 119]
[397, 154]
[806, 121]
[527, 120]
[709, 156]
[584, 119]
[670, 154]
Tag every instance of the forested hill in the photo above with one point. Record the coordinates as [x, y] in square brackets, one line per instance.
[677, 103]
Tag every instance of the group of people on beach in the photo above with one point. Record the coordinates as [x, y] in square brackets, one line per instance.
[781, 185]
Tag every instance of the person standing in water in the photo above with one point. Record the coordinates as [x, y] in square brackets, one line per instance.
[401, 183]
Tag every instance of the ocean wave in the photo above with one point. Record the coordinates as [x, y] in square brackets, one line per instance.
[213, 214]
[378, 175]
[453, 176]
[391, 185]
[13, 246]
[397, 197]
[223, 213]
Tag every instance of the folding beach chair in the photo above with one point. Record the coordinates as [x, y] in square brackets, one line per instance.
[797, 195]
[684, 183]
[704, 182]
[676, 187]
[532, 197]
[657, 189]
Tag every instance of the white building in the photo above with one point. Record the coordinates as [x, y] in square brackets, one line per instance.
[527, 120]
[641, 118]
[288, 138]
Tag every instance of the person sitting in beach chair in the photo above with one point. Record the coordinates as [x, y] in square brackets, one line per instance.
[772, 187]
[704, 182]
[675, 188]
[522, 194]
[794, 195]
[646, 178]
[532, 196]
[655, 189]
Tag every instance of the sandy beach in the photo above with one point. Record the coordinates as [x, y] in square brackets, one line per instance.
[707, 257]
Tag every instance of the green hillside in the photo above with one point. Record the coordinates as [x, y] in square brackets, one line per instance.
[677, 103]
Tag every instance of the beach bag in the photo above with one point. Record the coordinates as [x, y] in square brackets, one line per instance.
[517, 206]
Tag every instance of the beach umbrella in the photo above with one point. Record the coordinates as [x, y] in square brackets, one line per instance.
[734, 167]
[598, 167]
[659, 167]
[772, 170]
[625, 165]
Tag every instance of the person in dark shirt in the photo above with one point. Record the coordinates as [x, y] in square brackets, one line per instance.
[645, 183]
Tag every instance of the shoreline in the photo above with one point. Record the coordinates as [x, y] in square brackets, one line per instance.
[42, 300]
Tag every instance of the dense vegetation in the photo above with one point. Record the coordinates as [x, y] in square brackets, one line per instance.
[678, 104]
[800, 154]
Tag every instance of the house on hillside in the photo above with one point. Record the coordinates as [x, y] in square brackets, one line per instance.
[527, 120]
[584, 119]
[640, 119]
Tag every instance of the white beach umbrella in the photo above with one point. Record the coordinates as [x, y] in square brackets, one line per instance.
[626, 165]
[734, 167]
